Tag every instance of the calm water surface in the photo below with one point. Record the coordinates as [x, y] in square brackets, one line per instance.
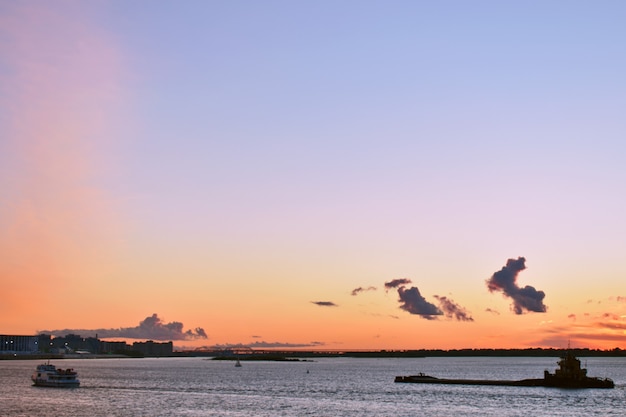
[326, 387]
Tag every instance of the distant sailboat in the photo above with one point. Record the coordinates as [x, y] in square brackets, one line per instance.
[238, 364]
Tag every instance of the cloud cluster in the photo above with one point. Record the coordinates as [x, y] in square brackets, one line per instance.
[412, 301]
[152, 327]
[524, 299]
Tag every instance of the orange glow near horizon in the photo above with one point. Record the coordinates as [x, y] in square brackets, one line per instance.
[56, 223]
[236, 191]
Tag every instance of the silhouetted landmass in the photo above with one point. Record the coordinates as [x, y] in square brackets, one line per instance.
[300, 355]
[420, 353]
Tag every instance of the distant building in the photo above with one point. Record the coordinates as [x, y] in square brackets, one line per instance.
[72, 343]
[18, 344]
[151, 348]
[113, 347]
[44, 342]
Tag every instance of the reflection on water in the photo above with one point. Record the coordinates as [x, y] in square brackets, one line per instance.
[327, 387]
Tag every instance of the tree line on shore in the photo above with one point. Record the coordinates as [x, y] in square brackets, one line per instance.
[413, 353]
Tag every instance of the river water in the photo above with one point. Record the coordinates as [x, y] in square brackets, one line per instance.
[324, 387]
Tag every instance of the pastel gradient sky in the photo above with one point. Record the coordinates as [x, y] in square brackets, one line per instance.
[332, 175]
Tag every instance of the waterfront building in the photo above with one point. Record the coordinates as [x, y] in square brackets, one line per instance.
[18, 344]
[113, 347]
[151, 348]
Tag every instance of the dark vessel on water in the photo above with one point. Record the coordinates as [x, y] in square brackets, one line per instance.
[568, 375]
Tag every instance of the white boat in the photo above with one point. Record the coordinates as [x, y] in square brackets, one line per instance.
[48, 375]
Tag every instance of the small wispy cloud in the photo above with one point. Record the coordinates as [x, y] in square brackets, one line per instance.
[395, 283]
[453, 310]
[359, 290]
[598, 331]
[324, 303]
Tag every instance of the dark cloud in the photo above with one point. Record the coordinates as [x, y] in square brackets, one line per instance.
[356, 291]
[324, 303]
[524, 299]
[151, 327]
[397, 283]
[453, 310]
[412, 301]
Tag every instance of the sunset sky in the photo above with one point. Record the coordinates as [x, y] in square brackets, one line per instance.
[320, 175]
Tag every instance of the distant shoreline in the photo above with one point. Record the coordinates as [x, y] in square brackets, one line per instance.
[419, 353]
[287, 355]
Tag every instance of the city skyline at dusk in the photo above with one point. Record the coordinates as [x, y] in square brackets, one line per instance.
[315, 175]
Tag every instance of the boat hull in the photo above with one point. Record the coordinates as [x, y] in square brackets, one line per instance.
[57, 384]
[553, 383]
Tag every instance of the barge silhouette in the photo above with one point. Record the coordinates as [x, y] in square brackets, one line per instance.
[568, 375]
